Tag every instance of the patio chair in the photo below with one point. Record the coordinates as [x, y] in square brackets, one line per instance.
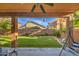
[72, 49]
[12, 52]
[75, 47]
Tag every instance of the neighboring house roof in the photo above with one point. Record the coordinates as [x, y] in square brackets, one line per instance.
[33, 23]
[36, 23]
[54, 23]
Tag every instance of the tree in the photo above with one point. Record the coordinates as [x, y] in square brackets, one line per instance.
[76, 19]
[5, 26]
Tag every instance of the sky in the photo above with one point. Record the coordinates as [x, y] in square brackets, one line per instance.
[42, 21]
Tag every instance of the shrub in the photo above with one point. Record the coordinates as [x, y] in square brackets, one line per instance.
[56, 33]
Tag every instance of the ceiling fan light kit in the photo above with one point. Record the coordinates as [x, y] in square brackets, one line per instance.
[41, 7]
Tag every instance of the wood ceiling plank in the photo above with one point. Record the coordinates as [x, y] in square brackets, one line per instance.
[59, 9]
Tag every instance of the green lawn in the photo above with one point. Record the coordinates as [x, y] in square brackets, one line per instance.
[5, 41]
[23, 41]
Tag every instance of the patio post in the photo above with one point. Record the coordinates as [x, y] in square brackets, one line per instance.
[69, 32]
[14, 32]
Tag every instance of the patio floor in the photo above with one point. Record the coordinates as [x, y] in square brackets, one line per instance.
[40, 51]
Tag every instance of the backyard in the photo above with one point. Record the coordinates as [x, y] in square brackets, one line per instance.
[31, 41]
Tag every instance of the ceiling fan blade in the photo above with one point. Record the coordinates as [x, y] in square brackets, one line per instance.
[33, 8]
[50, 4]
[42, 9]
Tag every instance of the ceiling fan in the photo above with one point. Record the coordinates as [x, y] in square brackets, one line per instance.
[41, 6]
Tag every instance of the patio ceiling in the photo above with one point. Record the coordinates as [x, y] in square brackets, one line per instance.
[24, 9]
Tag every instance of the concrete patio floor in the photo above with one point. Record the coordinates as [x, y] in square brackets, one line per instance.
[39, 51]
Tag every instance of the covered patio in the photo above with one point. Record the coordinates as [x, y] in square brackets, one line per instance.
[58, 10]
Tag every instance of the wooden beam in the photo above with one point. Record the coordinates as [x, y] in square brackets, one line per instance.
[25, 14]
[14, 32]
[57, 7]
